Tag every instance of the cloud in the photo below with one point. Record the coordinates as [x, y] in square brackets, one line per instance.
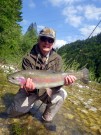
[55, 2]
[40, 27]
[71, 15]
[87, 30]
[77, 15]
[59, 43]
[63, 2]
[31, 4]
[92, 12]
[69, 39]
[25, 22]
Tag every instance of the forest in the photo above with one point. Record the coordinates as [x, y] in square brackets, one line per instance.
[81, 54]
[14, 44]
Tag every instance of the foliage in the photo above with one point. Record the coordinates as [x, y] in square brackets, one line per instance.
[16, 129]
[86, 53]
[10, 30]
[13, 44]
[29, 38]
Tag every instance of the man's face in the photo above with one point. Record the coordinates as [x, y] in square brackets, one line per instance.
[45, 44]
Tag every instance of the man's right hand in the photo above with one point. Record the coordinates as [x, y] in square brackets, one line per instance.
[29, 85]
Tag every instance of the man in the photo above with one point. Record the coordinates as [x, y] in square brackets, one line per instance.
[41, 57]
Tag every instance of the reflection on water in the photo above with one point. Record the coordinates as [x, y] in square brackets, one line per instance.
[80, 114]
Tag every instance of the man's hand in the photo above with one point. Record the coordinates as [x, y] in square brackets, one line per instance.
[29, 85]
[69, 79]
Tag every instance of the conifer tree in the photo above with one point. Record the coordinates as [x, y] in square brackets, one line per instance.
[10, 30]
[29, 38]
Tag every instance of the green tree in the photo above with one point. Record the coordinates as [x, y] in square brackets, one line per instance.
[10, 30]
[85, 53]
[29, 38]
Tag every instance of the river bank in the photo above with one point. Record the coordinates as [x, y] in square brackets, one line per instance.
[79, 115]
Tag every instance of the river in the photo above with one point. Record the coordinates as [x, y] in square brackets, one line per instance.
[79, 115]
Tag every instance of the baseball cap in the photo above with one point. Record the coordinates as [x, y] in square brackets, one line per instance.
[48, 32]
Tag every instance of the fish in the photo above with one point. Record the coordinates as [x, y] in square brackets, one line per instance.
[46, 79]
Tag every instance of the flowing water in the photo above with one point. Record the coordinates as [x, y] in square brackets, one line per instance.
[79, 115]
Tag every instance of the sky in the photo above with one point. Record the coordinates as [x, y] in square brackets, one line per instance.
[71, 19]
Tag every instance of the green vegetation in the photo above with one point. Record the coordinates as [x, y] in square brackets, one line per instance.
[29, 39]
[10, 30]
[80, 113]
[16, 129]
[14, 45]
[86, 53]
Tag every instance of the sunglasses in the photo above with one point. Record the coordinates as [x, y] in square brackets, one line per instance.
[45, 39]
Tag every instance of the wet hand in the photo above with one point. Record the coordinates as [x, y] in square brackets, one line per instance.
[29, 85]
[70, 79]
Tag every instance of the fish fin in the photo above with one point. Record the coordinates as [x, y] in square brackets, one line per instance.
[85, 78]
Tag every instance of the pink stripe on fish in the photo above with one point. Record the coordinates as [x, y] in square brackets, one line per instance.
[46, 80]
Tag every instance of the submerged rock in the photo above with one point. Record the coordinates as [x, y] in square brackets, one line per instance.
[69, 116]
[84, 111]
[93, 109]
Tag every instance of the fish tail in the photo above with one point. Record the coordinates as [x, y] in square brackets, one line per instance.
[85, 78]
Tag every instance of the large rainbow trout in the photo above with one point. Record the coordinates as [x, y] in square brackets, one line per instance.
[45, 79]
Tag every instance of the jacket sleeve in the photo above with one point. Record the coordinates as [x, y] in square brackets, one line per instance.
[27, 62]
[59, 64]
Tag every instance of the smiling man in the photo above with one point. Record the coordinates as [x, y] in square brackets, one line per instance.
[41, 57]
[46, 40]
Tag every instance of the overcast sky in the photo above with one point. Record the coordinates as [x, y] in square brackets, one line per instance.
[72, 19]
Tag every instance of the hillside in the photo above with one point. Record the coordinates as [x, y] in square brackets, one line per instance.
[86, 53]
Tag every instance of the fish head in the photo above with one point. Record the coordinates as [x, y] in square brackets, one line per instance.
[17, 79]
